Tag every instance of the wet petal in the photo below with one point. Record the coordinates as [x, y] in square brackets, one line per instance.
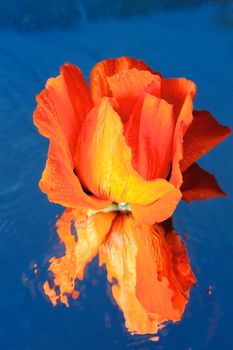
[103, 160]
[108, 68]
[184, 120]
[203, 134]
[91, 231]
[175, 91]
[62, 106]
[149, 272]
[61, 184]
[128, 86]
[158, 211]
[180, 93]
[199, 184]
[78, 91]
[149, 133]
[58, 119]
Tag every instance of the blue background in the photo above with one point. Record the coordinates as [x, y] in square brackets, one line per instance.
[35, 40]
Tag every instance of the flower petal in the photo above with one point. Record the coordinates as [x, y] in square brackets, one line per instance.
[61, 184]
[144, 265]
[149, 133]
[128, 86]
[91, 231]
[203, 134]
[78, 91]
[158, 211]
[58, 119]
[175, 91]
[180, 93]
[108, 68]
[199, 184]
[184, 120]
[63, 105]
[103, 160]
[164, 275]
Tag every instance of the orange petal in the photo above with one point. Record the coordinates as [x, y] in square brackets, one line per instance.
[184, 120]
[148, 288]
[128, 86]
[158, 211]
[91, 232]
[175, 91]
[62, 106]
[204, 134]
[61, 184]
[199, 184]
[179, 261]
[103, 160]
[179, 92]
[57, 119]
[108, 68]
[149, 133]
[163, 254]
[78, 91]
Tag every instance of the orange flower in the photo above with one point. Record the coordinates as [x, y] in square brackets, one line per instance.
[122, 153]
[148, 266]
[121, 140]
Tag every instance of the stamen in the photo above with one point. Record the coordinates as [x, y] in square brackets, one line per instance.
[112, 207]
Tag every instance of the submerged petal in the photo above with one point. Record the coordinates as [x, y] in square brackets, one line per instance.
[152, 273]
[103, 160]
[199, 184]
[91, 231]
[108, 68]
[203, 134]
[61, 109]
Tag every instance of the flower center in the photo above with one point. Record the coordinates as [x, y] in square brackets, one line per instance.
[123, 207]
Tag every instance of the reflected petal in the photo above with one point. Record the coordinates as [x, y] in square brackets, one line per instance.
[91, 231]
[152, 273]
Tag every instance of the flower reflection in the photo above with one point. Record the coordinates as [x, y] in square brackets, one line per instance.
[122, 154]
[147, 265]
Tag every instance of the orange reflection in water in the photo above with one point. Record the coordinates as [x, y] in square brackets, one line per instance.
[148, 266]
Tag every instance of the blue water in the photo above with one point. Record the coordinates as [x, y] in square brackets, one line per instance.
[196, 43]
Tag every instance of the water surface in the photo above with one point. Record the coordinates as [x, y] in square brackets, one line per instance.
[194, 43]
